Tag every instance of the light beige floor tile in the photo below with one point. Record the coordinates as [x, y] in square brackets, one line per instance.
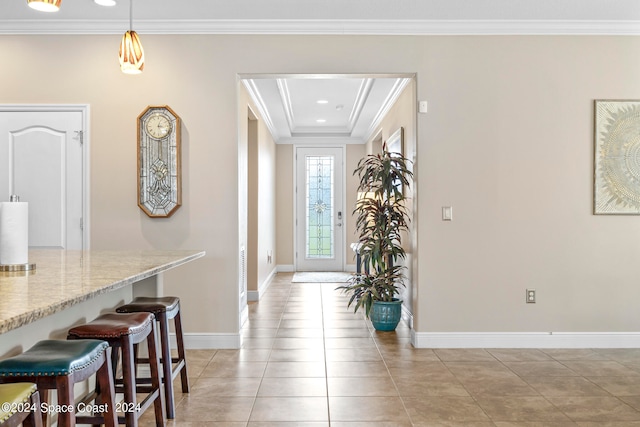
[295, 369]
[498, 386]
[361, 386]
[357, 369]
[410, 386]
[561, 354]
[464, 355]
[397, 355]
[543, 369]
[288, 424]
[418, 369]
[454, 424]
[596, 408]
[222, 408]
[620, 354]
[633, 401]
[278, 378]
[479, 370]
[274, 409]
[242, 355]
[535, 424]
[300, 333]
[259, 333]
[364, 409]
[296, 355]
[293, 387]
[352, 355]
[222, 386]
[347, 333]
[450, 409]
[234, 369]
[530, 408]
[350, 343]
[604, 368]
[371, 424]
[299, 343]
[518, 355]
[565, 386]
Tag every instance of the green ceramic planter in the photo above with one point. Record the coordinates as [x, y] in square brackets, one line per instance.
[385, 315]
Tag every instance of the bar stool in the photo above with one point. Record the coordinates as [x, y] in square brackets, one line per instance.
[122, 332]
[165, 308]
[20, 405]
[58, 365]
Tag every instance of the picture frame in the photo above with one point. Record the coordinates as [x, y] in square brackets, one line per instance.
[617, 157]
[395, 144]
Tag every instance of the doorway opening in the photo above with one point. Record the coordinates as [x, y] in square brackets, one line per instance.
[350, 113]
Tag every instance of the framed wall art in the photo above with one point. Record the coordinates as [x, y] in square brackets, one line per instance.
[617, 157]
[395, 144]
[159, 169]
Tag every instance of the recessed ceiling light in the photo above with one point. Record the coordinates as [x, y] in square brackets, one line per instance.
[322, 101]
[321, 120]
[105, 2]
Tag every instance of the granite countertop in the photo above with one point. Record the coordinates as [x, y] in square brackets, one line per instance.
[64, 278]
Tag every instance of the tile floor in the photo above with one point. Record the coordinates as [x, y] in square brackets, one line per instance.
[307, 361]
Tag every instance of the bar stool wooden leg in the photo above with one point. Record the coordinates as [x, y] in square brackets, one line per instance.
[166, 364]
[154, 363]
[184, 378]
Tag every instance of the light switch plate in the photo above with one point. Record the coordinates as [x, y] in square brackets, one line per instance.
[447, 213]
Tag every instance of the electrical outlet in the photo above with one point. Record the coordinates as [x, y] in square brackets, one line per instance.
[531, 296]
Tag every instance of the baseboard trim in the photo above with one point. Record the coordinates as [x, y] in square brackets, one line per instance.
[255, 295]
[208, 341]
[286, 268]
[525, 339]
[407, 316]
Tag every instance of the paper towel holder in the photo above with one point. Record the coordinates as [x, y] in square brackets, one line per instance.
[16, 267]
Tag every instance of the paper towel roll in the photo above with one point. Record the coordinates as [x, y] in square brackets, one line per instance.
[14, 233]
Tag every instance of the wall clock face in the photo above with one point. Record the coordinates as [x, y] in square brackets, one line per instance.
[159, 169]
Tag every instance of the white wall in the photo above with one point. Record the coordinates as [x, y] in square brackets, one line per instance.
[508, 142]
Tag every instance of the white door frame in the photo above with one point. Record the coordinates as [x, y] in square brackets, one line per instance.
[84, 110]
[297, 194]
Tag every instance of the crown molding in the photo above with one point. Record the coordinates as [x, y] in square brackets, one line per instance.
[326, 27]
[254, 94]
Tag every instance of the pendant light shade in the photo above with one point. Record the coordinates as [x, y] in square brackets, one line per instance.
[131, 53]
[45, 5]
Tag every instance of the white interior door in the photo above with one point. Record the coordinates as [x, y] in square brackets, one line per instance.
[319, 209]
[41, 161]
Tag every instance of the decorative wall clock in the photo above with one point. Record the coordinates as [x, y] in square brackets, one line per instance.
[159, 169]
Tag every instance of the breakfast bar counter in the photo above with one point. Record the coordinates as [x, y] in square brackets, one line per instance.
[64, 280]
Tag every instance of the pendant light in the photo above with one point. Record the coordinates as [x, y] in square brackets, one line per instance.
[45, 5]
[131, 52]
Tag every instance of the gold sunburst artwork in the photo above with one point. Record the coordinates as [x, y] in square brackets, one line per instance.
[617, 157]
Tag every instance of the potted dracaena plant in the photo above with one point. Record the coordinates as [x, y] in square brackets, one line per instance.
[381, 220]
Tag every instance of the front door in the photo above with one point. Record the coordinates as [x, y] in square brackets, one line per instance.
[41, 161]
[319, 209]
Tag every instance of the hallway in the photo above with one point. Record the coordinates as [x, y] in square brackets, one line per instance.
[307, 361]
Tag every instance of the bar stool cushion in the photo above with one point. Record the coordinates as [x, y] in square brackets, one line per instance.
[53, 358]
[150, 304]
[14, 394]
[114, 325]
